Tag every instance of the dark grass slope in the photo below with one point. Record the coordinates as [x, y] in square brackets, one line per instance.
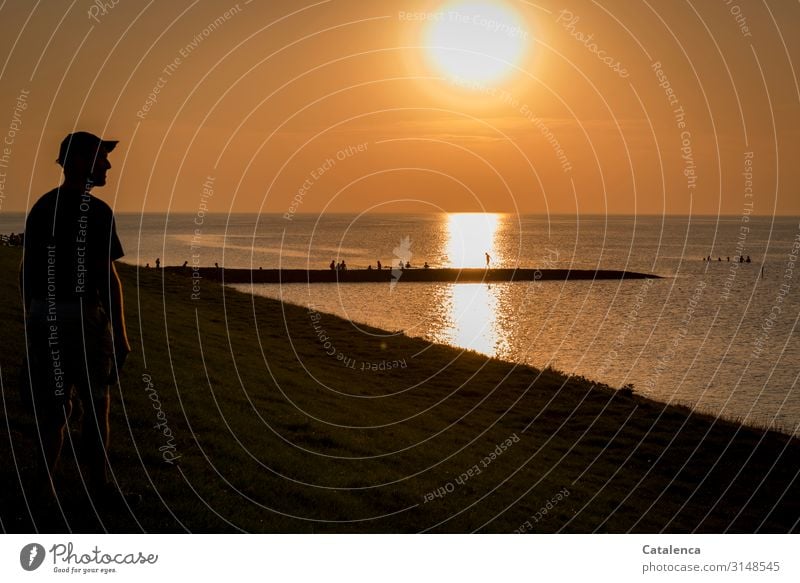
[280, 430]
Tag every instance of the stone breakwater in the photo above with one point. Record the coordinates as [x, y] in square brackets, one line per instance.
[401, 276]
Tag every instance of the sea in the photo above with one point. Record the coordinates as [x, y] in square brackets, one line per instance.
[713, 332]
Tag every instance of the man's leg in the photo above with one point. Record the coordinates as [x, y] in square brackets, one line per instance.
[95, 440]
[50, 432]
[51, 406]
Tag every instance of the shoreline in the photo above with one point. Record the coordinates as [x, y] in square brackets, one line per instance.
[278, 432]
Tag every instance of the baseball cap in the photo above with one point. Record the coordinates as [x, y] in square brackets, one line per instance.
[83, 143]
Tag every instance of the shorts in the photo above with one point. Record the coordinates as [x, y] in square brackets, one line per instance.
[70, 349]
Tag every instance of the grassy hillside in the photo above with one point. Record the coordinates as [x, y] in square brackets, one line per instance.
[278, 429]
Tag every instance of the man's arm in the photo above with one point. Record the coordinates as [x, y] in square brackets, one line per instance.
[117, 314]
[23, 291]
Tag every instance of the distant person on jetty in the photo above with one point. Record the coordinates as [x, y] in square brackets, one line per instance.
[333, 265]
[74, 319]
[488, 260]
[158, 263]
[185, 264]
[426, 266]
[408, 265]
[380, 266]
[747, 260]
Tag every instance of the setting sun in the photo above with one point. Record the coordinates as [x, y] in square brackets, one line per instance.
[479, 42]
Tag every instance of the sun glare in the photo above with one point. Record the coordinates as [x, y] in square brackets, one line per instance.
[477, 42]
[470, 237]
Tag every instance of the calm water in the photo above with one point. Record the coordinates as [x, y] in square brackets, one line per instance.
[715, 334]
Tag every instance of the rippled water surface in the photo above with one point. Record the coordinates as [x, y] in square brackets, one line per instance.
[720, 335]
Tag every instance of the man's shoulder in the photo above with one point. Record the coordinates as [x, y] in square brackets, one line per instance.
[99, 206]
[48, 199]
[42, 211]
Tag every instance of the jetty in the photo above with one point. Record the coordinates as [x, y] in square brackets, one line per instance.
[413, 275]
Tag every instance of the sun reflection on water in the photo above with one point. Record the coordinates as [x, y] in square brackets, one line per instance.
[469, 237]
[472, 310]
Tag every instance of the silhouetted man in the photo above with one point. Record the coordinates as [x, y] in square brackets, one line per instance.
[73, 307]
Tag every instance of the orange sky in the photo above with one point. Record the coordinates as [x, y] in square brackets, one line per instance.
[264, 101]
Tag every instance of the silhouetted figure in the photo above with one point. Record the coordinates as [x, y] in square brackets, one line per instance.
[333, 265]
[147, 266]
[369, 267]
[344, 265]
[380, 266]
[708, 258]
[158, 263]
[426, 266]
[72, 299]
[185, 263]
[729, 259]
[408, 265]
[216, 265]
[741, 258]
[747, 260]
[401, 265]
[488, 260]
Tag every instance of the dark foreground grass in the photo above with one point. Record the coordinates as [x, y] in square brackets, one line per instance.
[276, 435]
